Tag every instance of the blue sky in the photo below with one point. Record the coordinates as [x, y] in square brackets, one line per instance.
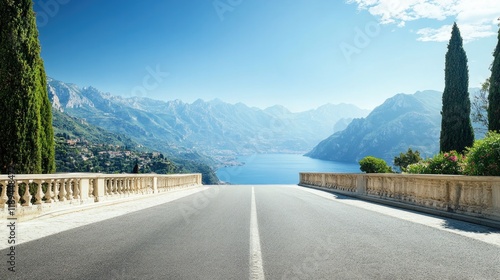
[297, 53]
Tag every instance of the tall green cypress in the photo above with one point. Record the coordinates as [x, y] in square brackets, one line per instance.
[27, 137]
[494, 93]
[456, 127]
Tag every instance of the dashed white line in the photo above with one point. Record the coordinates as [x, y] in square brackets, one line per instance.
[256, 266]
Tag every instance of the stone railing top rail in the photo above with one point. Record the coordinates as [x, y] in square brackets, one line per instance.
[419, 176]
[87, 176]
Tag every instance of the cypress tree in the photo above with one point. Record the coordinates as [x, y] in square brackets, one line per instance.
[494, 92]
[456, 127]
[27, 137]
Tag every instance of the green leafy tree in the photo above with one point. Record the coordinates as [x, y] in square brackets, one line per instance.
[26, 123]
[371, 164]
[480, 106]
[483, 159]
[403, 160]
[494, 91]
[456, 128]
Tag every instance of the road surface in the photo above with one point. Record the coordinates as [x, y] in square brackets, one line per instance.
[263, 232]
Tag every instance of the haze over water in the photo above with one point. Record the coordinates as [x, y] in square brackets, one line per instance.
[261, 169]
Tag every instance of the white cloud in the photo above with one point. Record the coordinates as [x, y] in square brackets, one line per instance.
[469, 33]
[475, 18]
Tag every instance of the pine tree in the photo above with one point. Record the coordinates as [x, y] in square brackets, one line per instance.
[26, 132]
[456, 127]
[494, 93]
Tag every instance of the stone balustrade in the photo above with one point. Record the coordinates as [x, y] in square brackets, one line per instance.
[38, 193]
[469, 195]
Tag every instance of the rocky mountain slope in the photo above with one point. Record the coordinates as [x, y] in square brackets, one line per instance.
[213, 128]
[401, 122]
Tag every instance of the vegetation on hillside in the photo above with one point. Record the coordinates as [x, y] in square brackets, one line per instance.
[81, 147]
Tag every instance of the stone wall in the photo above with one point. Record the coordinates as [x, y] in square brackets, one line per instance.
[468, 195]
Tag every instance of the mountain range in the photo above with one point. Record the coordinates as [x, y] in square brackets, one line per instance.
[401, 122]
[214, 128]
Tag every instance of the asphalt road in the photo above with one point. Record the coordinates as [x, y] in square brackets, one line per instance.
[280, 232]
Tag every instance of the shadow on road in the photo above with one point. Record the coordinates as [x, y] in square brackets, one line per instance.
[448, 223]
[465, 226]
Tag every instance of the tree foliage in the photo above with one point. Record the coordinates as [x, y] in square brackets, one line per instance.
[403, 160]
[480, 106]
[483, 159]
[456, 128]
[371, 164]
[26, 123]
[494, 91]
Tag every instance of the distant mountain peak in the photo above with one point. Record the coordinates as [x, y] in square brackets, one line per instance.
[402, 121]
[277, 109]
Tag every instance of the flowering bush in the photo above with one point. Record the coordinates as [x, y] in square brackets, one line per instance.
[483, 159]
[417, 168]
[447, 163]
[442, 163]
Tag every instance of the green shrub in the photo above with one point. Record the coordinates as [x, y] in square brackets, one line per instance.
[483, 159]
[371, 164]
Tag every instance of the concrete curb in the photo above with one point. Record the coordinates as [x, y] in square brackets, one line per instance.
[456, 216]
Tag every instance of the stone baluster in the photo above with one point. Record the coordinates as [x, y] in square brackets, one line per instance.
[39, 192]
[131, 186]
[119, 186]
[56, 184]
[62, 189]
[138, 182]
[91, 188]
[113, 186]
[48, 193]
[16, 196]
[27, 196]
[125, 186]
[3, 195]
[109, 186]
[76, 189]
[69, 189]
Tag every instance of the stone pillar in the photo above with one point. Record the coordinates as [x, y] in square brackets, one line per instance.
[495, 191]
[361, 184]
[84, 189]
[100, 189]
[155, 184]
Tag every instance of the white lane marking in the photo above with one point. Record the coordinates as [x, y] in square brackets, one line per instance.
[476, 232]
[256, 267]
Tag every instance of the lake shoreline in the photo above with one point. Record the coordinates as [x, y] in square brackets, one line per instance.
[278, 169]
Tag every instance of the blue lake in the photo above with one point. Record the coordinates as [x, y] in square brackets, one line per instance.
[279, 169]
